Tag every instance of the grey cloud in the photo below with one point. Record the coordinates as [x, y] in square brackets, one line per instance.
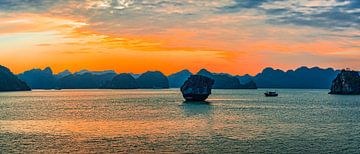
[242, 4]
[26, 5]
[337, 17]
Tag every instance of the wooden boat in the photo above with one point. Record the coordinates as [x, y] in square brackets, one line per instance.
[271, 94]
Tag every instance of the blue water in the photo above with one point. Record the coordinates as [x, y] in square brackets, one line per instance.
[153, 121]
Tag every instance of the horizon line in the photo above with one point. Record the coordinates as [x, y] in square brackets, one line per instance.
[193, 72]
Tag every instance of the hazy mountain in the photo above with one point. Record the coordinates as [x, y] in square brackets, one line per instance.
[302, 77]
[10, 82]
[81, 72]
[39, 79]
[249, 85]
[62, 74]
[176, 80]
[135, 75]
[84, 81]
[225, 81]
[245, 78]
[153, 79]
[122, 81]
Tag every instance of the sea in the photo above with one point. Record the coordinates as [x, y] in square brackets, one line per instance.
[159, 121]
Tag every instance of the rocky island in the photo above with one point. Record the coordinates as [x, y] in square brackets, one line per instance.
[39, 79]
[152, 80]
[347, 82]
[10, 82]
[122, 81]
[197, 88]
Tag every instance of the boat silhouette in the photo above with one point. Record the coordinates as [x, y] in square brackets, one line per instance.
[271, 94]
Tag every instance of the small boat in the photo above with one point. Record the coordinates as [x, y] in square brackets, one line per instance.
[271, 94]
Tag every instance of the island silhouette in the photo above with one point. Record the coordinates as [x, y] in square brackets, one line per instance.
[302, 77]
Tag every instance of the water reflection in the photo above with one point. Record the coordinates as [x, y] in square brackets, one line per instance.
[196, 108]
[151, 121]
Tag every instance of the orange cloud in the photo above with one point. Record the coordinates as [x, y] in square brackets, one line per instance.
[35, 40]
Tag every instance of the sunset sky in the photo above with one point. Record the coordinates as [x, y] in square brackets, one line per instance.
[234, 36]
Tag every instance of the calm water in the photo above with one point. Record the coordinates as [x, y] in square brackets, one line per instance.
[152, 121]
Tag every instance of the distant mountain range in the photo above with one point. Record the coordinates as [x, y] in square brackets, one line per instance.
[222, 80]
[86, 80]
[45, 79]
[147, 80]
[302, 77]
[94, 72]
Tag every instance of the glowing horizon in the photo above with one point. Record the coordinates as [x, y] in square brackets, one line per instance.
[233, 36]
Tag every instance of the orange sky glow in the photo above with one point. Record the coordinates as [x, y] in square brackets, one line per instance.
[129, 36]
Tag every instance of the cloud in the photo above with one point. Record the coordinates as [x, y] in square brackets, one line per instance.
[309, 59]
[239, 5]
[26, 5]
[109, 4]
[234, 32]
[332, 15]
[329, 14]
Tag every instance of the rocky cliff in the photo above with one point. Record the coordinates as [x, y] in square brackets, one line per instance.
[10, 82]
[347, 82]
[39, 79]
[197, 88]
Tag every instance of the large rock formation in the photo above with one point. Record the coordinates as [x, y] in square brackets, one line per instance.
[347, 82]
[122, 81]
[10, 82]
[153, 80]
[176, 80]
[39, 79]
[197, 88]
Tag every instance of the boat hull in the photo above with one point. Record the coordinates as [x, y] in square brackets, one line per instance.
[271, 95]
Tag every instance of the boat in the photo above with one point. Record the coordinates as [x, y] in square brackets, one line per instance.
[271, 94]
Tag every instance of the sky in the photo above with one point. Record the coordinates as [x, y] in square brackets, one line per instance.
[233, 36]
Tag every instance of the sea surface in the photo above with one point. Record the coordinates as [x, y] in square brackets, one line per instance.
[156, 121]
